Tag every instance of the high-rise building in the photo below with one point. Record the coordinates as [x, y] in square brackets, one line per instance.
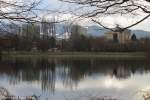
[48, 28]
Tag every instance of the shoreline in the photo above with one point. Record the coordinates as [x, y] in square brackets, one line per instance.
[102, 55]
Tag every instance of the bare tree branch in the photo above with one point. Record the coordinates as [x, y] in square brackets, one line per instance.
[99, 23]
[122, 29]
[18, 10]
[97, 8]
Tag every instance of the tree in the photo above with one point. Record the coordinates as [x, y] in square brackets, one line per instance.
[31, 31]
[44, 45]
[76, 37]
[97, 8]
[9, 42]
[133, 37]
[52, 41]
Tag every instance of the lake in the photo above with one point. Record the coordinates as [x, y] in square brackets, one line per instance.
[75, 79]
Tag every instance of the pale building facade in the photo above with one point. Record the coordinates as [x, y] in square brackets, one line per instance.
[119, 37]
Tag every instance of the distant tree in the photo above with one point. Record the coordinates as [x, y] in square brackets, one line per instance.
[133, 37]
[76, 37]
[98, 44]
[31, 31]
[52, 42]
[115, 38]
[43, 45]
[46, 43]
[64, 45]
[24, 44]
[75, 31]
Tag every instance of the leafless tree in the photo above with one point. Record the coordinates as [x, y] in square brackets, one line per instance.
[96, 8]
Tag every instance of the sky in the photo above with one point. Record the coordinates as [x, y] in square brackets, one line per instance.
[110, 21]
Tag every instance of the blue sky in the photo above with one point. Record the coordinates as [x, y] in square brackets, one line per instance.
[57, 5]
[53, 4]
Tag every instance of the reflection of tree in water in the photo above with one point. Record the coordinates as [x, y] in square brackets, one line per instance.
[68, 71]
[47, 75]
[66, 79]
[24, 70]
[77, 70]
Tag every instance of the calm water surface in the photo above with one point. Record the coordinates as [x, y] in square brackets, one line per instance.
[75, 79]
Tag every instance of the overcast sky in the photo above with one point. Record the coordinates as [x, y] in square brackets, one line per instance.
[109, 21]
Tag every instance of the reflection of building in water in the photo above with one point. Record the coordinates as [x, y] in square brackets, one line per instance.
[121, 72]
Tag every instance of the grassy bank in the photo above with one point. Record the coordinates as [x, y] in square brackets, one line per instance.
[103, 55]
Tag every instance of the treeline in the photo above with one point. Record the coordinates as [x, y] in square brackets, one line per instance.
[76, 42]
[31, 39]
[101, 44]
[17, 43]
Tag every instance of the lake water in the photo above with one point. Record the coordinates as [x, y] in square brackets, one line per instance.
[75, 79]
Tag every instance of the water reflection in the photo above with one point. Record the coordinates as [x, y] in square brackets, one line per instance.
[69, 72]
